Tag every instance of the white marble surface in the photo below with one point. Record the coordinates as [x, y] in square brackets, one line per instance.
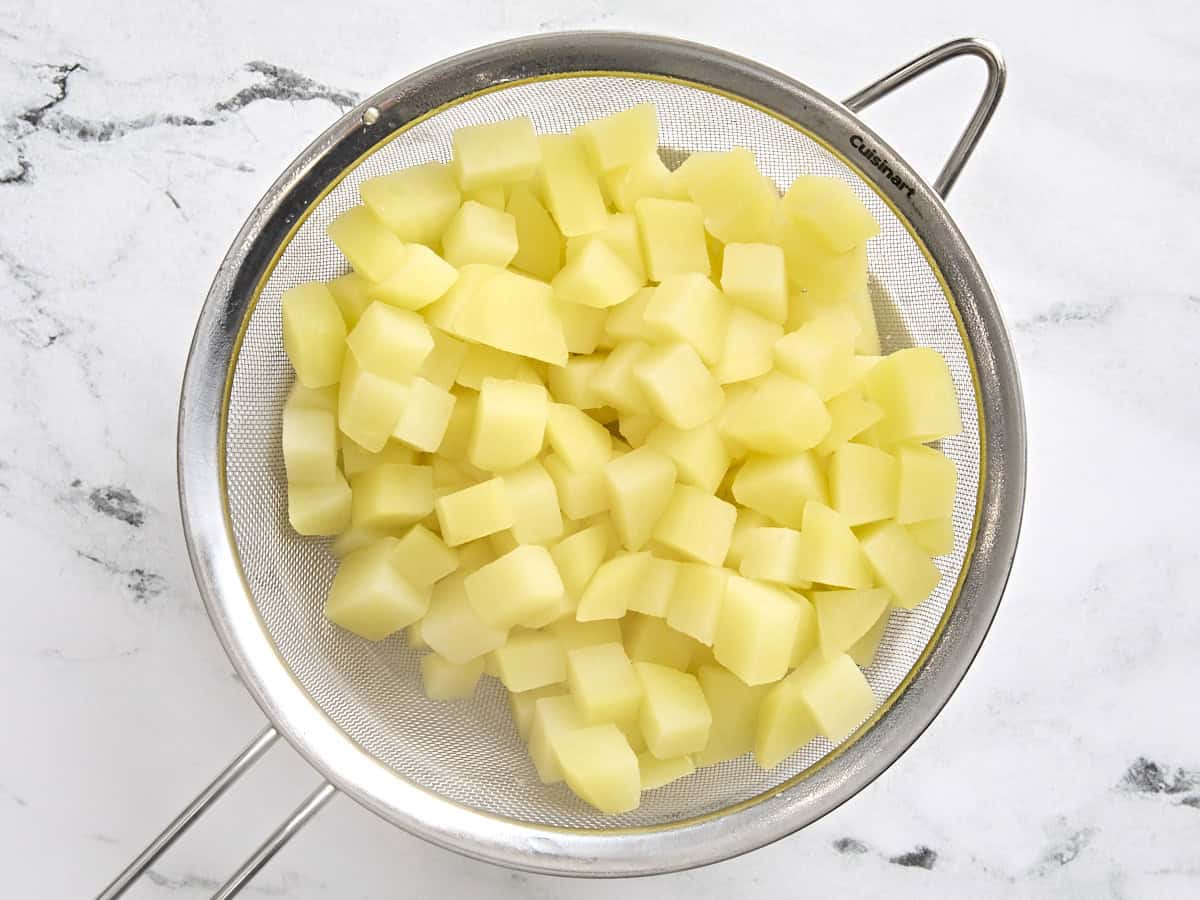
[132, 144]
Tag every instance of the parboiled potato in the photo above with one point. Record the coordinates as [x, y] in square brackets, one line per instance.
[652, 596]
[510, 424]
[699, 454]
[516, 587]
[639, 486]
[320, 509]
[620, 138]
[420, 278]
[314, 334]
[517, 315]
[916, 393]
[738, 201]
[690, 308]
[681, 391]
[899, 562]
[934, 536]
[392, 495]
[444, 680]
[756, 630]
[596, 276]
[696, 525]
[415, 203]
[780, 487]
[370, 597]
[829, 552]
[830, 208]
[607, 593]
[452, 628]
[696, 602]
[533, 499]
[782, 415]
[474, 512]
[734, 707]
[480, 234]
[864, 483]
[926, 482]
[390, 342]
[530, 660]
[372, 249]
[753, 277]
[672, 234]
[656, 773]
[600, 766]
[568, 187]
[310, 445]
[553, 717]
[844, 617]
[604, 685]
[497, 153]
[675, 719]
[539, 242]
[835, 692]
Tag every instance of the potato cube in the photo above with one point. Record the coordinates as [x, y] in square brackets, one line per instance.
[474, 555]
[370, 597]
[829, 551]
[516, 314]
[493, 197]
[782, 415]
[899, 562]
[678, 386]
[452, 627]
[392, 495]
[748, 520]
[821, 353]
[690, 308]
[864, 649]
[926, 480]
[310, 446]
[614, 382]
[486, 362]
[836, 693]
[620, 138]
[600, 766]
[390, 342]
[916, 393]
[780, 487]
[699, 454]
[426, 414]
[553, 717]
[753, 277]
[539, 242]
[596, 276]
[607, 593]
[604, 685]
[501, 152]
[444, 680]
[568, 187]
[534, 503]
[639, 486]
[415, 203]
[530, 660]
[457, 438]
[422, 557]
[635, 428]
[521, 705]
[516, 587]
[581, 441]
[356, 459]
[354, 539]
[320, 509]
[627, 321]
[749, 349]
[830, 208]
[579, 555]
[367, 243]
[581, 493]
[314, 334]
[808, 633]
[572, 634]
[863, 483]
[656, 773]
[734, 708]
[773, 554]
[674, 717]
[582, 326]
[696, 524]
[350, 293]
[934, 536]
[474, 512]
[421, 278]
[443, 313]
[813, 269]
[649, 639]
[510, 424]
[572, 383]
[696, 167]
[413, 637]
[646, 176]
[843, 617]
[652, 595]
[480, 234]
[300, 397]
[444, 360]
[738, 201]
[696, 601]
[672, 234]
[851, 414]
[620, 232]
[785, 723]
[756, 630]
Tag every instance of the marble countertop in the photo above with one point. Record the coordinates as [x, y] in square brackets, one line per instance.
[133, 145]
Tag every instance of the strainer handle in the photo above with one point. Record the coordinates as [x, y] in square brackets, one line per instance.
[996, 76]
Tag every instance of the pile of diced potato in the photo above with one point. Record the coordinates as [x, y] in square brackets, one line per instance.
[620, 437]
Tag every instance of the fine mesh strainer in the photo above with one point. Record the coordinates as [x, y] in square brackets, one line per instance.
[456, 773]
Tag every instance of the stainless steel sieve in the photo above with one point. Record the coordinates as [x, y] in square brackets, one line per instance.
[457, 774]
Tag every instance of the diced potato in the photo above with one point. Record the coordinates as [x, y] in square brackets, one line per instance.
[652, 595]
[516, 314]
[699, 454]
[415, 203]
[530, 660]
[539, 242]
[863, 483]
[607, 593]
[621, 138]
[443, 313]
[899, 562]
[534, 503]
[753, 277]
[672, 234]
[639, 486]
[678, 386]
[480, 234]
[370, 597]
[773, 554]
[474, 555]
[356, 459]
[603, 684]
[486, 362]
[572, 634]
[367, 243]
[582, 326]
[780, 487]
[696, 524]
[916, 393]
[568, 187]
[355, 539]
[843, 617]
[474, 512]
[749, 349]
[696, 601]
[492, 196]
[620, 232]
[674, 717]
[734, 707]
[635, 428]
[934, 536]
[808, 635]
[516, 587]
[392, 495]
[830, 208]
[836, 693]
[600, 766]
[350, 293]
[581, 493]
[421, 278]
[444, 680]
[614, 382]
[649, 639]
[310, 445]
[426, 414]
[738, 201]
[314, 334]
[521, 705]
[926, 482]
[756, 630]
[572, 383]
[320, 509]
[443, 362]
[390, 342]
[596, 276]
[851, 415]
[646, 176]
[422, 557]
[815, 270]
[785, 723]
[553, 717]
[414, 638]
[502, 152]
[457, 438]
[577, 438]
[782, 415]
[821, 352]
[579, 555]
[300, 397]
[747, 521]
[656, 773]
[829, 551]
[452, 627]
[627, 321]
[690, 308]
[864, 649]
[510, 424]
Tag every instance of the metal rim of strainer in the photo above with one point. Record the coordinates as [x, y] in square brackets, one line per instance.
[520, 845]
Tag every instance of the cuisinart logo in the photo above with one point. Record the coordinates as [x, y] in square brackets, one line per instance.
[880, 163]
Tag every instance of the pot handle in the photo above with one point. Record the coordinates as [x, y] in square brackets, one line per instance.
[997, 75]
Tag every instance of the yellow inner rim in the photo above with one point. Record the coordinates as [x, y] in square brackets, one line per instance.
[951, 603]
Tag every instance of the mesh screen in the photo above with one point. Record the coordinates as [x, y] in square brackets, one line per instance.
[469, 752]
